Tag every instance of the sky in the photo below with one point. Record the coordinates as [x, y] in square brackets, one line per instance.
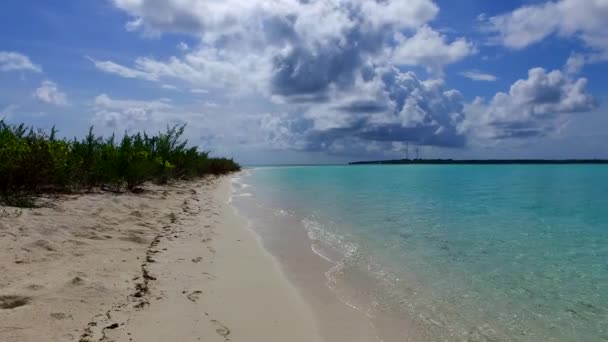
[316, 81]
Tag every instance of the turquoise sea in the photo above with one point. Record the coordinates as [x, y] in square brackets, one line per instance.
[468, 253]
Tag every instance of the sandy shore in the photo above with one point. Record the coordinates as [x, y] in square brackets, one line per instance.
[172, 264]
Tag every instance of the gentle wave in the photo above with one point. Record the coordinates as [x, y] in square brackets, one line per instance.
[243, 194]
[469, 253]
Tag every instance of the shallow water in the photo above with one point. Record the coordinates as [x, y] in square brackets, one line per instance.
[468, 253]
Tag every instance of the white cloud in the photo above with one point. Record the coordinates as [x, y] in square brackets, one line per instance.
[389, 106]
[127, 114]
[582, 19]
[11, 61]
[169, 87]
[331, 68]
[210, 104]
[49, 92]
[479, 76]
[104, 101]
[117, 69]
[532, 107]
[183, 46]
[575, 63]
[251, 45]
[403, 14]
[208, 67]
[216, 19]
[199, 91]
[430, 49]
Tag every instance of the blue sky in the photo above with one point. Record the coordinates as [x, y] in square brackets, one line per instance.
[293, 81]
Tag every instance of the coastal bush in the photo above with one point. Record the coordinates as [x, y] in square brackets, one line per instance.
[33, 161]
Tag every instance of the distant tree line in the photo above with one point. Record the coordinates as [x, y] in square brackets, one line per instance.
[33, 161]
[480, 161]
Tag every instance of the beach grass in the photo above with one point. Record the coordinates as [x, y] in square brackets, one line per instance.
[33, 161]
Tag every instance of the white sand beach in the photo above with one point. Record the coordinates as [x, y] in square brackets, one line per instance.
[174, 263]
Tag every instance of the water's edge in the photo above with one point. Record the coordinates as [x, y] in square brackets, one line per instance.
[307, 269]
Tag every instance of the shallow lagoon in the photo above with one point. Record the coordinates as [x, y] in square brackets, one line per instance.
[517, 252]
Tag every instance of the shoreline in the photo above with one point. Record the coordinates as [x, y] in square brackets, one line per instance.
[345, 307]
[176, 262]
[306, 271]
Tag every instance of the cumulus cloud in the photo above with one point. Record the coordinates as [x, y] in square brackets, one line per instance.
[390, 106]
[336, 71]
[49, 92]
[532, 107]
[290, 48]
[575, 63]
[430, 49]
[127, 114]
[322, 56]
[479, 76]
[216, 19]
[11, 61]
[582, 19]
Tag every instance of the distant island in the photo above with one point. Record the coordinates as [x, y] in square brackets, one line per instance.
[479, 161]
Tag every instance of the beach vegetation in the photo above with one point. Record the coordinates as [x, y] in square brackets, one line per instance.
[33, 161]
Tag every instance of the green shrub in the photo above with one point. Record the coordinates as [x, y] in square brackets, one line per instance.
[32, 161]
[18, 201]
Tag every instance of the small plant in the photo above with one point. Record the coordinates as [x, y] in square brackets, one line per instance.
[6, 214]
[18, 201]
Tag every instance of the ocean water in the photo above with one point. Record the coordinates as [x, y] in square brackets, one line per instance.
[466, 253]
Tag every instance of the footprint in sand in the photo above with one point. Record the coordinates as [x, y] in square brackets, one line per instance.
[222, 330]
[76, 242]
[12, 302]
[77, 281]
[197, 260]
[59, 316]
[87, 235]
[137, 214]
[44, 244]
[209, 276]
[34, 287]
[194, 295]
[134, 238]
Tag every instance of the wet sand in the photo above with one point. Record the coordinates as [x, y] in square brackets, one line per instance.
[343, 308]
